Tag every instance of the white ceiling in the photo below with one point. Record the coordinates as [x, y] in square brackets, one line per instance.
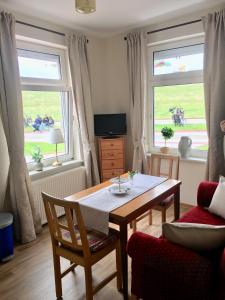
[111, 16]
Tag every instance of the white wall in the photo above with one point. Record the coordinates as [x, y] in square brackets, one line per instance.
[191, 174]
[115, 80]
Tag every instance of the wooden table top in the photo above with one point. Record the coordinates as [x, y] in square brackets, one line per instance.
[134, 208]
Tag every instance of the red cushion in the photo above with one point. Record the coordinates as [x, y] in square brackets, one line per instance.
[201, 215]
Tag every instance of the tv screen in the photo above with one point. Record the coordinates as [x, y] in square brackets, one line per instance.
[110, 124]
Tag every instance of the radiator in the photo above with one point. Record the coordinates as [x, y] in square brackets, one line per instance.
[59, 185]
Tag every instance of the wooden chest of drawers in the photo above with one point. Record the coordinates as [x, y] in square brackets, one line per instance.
[111, 157]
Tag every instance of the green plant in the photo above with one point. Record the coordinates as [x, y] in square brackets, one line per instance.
[167, 133]
[132, 173]
[37, 155]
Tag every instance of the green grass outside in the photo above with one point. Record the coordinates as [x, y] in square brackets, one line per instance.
[189, 97]
[42, 103]
[203, 147]
[45, 148]
[187, 127]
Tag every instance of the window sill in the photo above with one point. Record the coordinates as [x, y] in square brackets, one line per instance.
[48, 171]
[190, 159]
[194, 159]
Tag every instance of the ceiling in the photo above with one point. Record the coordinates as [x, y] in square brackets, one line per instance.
[111, 16]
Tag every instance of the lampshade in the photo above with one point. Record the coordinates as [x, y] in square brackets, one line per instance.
[85, 6]
[55, 136]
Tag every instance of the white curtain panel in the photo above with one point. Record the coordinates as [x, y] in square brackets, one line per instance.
[136, 60]
[19, 196]
[77, 47]
[214, 86]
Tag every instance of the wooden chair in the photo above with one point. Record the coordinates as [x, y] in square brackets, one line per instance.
[81, 246]
[163, 165]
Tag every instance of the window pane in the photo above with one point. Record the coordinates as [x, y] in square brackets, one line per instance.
[38, 65]
[42, 111]
[180, 107]
[175, 60]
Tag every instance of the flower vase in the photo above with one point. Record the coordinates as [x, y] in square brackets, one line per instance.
[184, 146]
[131, 179]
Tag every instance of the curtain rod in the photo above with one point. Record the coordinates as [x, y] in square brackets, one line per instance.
[172, 26]
[42, 28]
[39, 27]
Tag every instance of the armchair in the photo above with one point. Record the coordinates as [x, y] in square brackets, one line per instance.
[166, 271]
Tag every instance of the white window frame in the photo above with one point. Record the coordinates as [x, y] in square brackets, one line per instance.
[43, 85]
[179, 78]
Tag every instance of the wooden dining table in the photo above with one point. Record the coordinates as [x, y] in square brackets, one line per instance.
[126, 213]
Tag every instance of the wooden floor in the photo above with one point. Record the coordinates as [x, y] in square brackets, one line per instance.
[29, 276]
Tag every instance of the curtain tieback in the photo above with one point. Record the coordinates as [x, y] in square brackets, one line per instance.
[137, 144]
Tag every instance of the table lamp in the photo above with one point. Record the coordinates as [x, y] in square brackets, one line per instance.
[56, 137]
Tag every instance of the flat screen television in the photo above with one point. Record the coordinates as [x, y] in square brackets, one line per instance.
[110, 124]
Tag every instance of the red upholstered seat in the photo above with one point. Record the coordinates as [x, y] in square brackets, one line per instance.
[162, 270]
[201, 215]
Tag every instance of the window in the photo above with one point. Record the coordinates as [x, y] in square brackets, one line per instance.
[46, 99]
[177, 94]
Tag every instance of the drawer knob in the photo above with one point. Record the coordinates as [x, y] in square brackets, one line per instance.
[112, 164]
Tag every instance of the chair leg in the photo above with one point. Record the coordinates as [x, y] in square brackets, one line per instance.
[58, 280]
[134, 225]
[163, 215]
[88, 282]
[150, 217]
[118, 268]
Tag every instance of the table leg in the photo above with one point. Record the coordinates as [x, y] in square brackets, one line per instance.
[177, 203]
[124, 259]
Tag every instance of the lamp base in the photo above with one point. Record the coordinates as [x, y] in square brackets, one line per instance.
[57, 163]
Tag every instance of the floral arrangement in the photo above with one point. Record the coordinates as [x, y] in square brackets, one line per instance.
[132, 173]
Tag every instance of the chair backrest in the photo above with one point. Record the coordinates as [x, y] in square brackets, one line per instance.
[164, 165]
[65, 234]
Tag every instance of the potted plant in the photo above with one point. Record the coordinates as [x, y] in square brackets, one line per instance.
[37, 156]
[167, 133]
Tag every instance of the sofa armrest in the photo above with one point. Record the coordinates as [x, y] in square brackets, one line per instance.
[206, 190]
[156, 261]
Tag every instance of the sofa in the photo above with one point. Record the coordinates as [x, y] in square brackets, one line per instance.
[162, 270]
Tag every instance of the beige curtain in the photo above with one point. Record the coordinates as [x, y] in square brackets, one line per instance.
[77, 46]
[214, 85]
[136, 60]
[19, 195]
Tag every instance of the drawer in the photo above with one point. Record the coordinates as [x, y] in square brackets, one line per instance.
[107, 174]
[112, 164]
[112, 154]
[112, 144]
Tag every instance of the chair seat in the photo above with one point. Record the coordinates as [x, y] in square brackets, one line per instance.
[166, 201]
[96, 239]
